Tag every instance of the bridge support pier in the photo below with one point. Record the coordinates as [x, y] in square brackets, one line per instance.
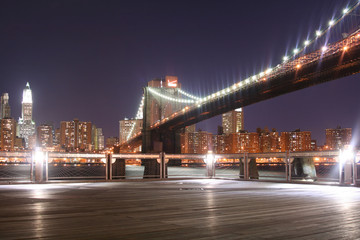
[119, 166]
[304, 168]
[248, 168]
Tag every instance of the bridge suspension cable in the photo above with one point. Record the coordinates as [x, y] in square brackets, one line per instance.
[319, 33]
[155, 92]
[139, 115]
[188, 95]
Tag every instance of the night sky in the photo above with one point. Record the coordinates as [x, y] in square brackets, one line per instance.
[90, 59]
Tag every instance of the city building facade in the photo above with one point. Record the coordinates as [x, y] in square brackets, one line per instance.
[196, 142]
[5, 110]
[7, 134]
[233, 121]
[45, 136]
[338, 138]
[75, 135]
[295, 141]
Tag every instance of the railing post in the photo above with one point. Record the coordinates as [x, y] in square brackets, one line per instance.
[355, 170]
[291, 160]
[32, 167]
[46, 166]
[162, 167]
[246, 166]
[108, 166]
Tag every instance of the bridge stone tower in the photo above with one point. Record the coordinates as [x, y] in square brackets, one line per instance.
[156, 108]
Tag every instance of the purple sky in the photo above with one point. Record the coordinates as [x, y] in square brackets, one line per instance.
[90, 59]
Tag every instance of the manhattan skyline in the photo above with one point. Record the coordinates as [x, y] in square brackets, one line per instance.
[90, 60]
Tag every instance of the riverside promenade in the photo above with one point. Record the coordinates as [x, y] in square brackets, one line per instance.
[179, 209]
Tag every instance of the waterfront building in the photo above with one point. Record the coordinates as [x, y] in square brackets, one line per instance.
[5, 110]
[269, 141]
[220, 144]
[75, 135]
[7, 134]
[242, 142]
[196, 142]
[19, 144]
[295, 141]
[338, 138]
[26, 125]
[233, 121]
[112, 141]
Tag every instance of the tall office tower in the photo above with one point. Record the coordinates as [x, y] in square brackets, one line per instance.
[295, 141]
[242, 142]
[157, 107]
[5, 106]
[97, 138]
[75, 135]
[268, 140]
[337, 138]
[26, 126]
[196, 142]
[45, 136]
[128, 128]
[101, 139]
[233, 121]
[7, 134]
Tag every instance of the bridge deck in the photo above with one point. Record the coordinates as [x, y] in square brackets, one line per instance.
[191, 209]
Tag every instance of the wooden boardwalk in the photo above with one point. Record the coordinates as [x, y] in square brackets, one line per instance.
[179, 209]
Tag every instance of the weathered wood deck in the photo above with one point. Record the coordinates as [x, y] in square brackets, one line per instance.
[190, 209]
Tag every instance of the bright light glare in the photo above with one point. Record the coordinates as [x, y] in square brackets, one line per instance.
[324, 48]
[285, 58]
[331, 22]
[268, 70]
[346, 10]
[296, 50]
[210, 158]
[346, 48]
[298, 66]
[318, 33]
[307, 42]
[39, 155]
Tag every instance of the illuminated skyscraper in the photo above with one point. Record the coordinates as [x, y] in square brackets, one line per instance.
[233, 121]
[26, 126]
[5, 107]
